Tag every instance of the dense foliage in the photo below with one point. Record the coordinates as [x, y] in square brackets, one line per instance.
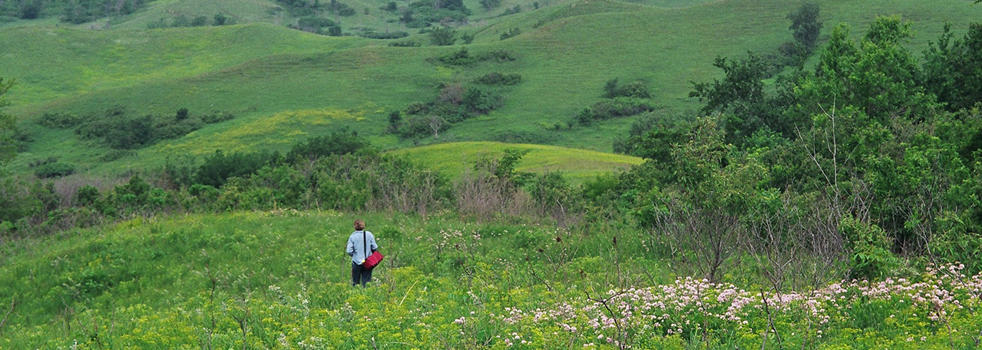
[455, 101]
[278, 279]
[120, 129]
[423, 13]
[858, 180]
[859, 161]
[71, 11]
[8, 127]
[619, 101]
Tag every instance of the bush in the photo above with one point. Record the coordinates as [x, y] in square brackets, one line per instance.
[510, 33]
[481, 101]
[119, 131]
[423, 13]
[87, 195]
[342, 10]
[499, 56]
[459, 58]
[443, 36]
[218, 168]
[59, 120]
[495, 78]
[314, 24]
[521, 136]
[869, 255]
[181, 114]
[40, 162]
[181, 21]
[158, 24]
[322, 146]
[490, 4]
[462, 57]
[217, 117]
[54, 170]
[408, 43]
[199, 21]
[513, 10]
[636, 89]
[613, 108]
[387, 35]
[116, 154]
[31, 9]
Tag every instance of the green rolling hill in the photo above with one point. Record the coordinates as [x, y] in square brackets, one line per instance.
[453, 159]
[285, 85]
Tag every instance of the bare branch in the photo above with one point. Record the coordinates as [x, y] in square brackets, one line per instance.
[13, 303]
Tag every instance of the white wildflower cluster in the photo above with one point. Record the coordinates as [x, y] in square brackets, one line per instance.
[688, 304]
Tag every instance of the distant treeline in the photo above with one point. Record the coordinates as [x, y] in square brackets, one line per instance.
[71, 11]
[339, 171]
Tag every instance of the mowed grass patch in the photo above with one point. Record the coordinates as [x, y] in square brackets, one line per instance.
[576, 165]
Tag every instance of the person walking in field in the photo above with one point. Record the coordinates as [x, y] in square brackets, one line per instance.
[360, 245]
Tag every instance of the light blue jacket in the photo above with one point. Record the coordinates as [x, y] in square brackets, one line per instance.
[356, 246]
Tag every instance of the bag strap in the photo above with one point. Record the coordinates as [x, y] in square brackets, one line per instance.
[364, 241]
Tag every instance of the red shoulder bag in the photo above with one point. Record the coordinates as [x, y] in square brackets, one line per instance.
[371, 260]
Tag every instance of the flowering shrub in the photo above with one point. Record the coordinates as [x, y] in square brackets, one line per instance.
[689, 309]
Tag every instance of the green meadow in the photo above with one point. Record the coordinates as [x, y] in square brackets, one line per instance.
[258, 70]
[454, 159]
[280, 280]
[231, 235]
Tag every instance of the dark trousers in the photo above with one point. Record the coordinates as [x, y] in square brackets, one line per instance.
[360, 275]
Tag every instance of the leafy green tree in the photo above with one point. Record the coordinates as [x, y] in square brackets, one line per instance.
[8, 126]
[31, 9]
[805, 26]
[739, 96]
[610, 88]
[443, 36]
[395, 121]
[219, 167]
[878, 74]
[199, 21]
[490, 4]
[953, 70]
[700, 209]
[182, 114]
[322, 146]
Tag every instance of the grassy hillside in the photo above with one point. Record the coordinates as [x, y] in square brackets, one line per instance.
[261, 72]
[577, 165]
[281, 280]
[237, 11]
[61, 64]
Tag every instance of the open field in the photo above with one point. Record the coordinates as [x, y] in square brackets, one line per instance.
[567, 51]
[576, 165]
[280, 280]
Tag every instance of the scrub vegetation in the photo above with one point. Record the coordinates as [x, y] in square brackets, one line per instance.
[790, 175]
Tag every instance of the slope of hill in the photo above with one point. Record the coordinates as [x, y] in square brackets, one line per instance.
[281, 280]
[565, 54]
[577, 165]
